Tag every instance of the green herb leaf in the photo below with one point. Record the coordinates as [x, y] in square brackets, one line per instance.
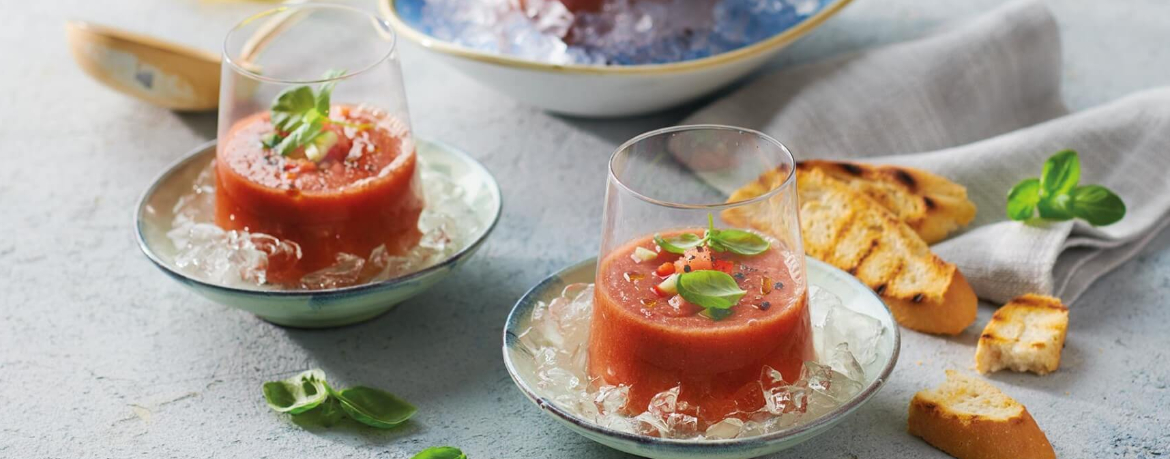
[679, 243]
[299, 114]
[1055, 208]
[715, 314]
[709, 289]
[1061, 173]
[297, 394]
[1097, 205]
[740, 242]
[440, 452]
[1022, 199]
[375, 407]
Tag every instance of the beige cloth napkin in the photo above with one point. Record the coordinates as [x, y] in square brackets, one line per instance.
[980, 104]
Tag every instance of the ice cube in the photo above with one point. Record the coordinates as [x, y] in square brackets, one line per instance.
[860, 331]
[725, 429]
[345, 271]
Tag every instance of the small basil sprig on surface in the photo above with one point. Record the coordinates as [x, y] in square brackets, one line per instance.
[297, 394]
[1057, 197]
[309, 393]
[440, 452]
[714, 291]
[375, 407]
[299, 115]
[727, 240]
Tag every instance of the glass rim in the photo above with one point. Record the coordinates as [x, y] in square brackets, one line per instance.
[788, 179]
[243, 70]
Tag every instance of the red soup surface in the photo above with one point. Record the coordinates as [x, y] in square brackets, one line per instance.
[653, 343]
[365, 193]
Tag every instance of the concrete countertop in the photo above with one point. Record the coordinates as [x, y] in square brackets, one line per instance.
[102, 356]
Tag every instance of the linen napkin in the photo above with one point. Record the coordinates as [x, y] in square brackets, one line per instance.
[979, 104]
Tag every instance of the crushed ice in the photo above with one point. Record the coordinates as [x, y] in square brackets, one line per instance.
[240, 258]
[557, 339]
[623, 32]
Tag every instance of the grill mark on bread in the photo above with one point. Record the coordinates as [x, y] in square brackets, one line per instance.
[873, 245]
[852, 169]
[929, 203]
[905, 178]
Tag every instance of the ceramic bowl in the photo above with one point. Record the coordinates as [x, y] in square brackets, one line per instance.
[315, 308]
[853, 294]
[603, 91]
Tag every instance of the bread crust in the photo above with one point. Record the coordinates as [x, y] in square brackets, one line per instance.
[929, 204]
[967, 435]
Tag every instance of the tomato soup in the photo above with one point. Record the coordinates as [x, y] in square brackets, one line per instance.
[652, 342]
[363, 194]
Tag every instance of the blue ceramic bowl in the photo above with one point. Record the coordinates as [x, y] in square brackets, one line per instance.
[853, 294]
[315, 308]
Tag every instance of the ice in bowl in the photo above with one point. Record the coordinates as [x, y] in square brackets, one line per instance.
[607, 32]
[557, 337]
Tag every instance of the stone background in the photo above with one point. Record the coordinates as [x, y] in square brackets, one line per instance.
[102, 356]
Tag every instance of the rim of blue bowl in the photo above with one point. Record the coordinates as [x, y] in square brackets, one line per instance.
[867, 393]
[342, 291]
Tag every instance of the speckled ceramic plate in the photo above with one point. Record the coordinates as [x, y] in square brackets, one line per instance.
[853, 294]
[316, 308]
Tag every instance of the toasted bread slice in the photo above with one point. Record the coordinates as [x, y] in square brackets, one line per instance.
[851, 231]
[931, 205]
[971, 419]
[1027, 334]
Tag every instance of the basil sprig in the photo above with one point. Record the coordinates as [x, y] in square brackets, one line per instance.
[726, 240]
[440, 452]
[714, 291]
[309, 393]
[1056, 196]
[299, 115]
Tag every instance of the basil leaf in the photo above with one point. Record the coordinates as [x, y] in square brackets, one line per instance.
[1055, 208]
[297, 394]
[710, 289]
[1061, 173]
[326, 90]
[440, 452]
[1097, 205]
[715, 314]
[1022, 199]
[290, 107]
[299, 137]
[679, 243]
[375, 407]
[741, 242]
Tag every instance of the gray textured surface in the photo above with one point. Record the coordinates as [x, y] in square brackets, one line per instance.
[102, 356]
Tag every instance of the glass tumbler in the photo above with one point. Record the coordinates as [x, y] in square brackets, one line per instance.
[684, 185]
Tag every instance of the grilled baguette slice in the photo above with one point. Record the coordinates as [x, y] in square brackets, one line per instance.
[931, 205]
[850, 230]
[1027, 334]
[971, 419]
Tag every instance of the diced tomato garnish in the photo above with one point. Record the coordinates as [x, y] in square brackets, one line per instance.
[725, 266]
[695, 259]
[665, 269]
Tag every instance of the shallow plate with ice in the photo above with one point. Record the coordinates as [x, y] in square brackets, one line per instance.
[857, 346]
[544, 71]
[463, 205]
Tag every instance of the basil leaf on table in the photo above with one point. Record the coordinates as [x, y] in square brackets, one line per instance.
[709, 289]
[440, 452]
[740, 242]
[1097, 205]
[1023, 198]
[1055, 208]
[297, 394]
[679, 243]
[375, 407]
[1061, 173]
